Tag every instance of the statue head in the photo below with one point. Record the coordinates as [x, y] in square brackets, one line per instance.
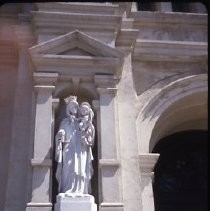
[71, 105]
[85, 109]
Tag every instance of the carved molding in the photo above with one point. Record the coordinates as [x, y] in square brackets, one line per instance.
[36, 204]
[44, 88]
[109, 163]
[173, 51]
[126, 39]
[111, 204]
[44, 19]
[41, 162]
[49, 56]
[45, 78]
[169, 19]
[79, 7]
[104, 90]
[105, 81]
[147, 162]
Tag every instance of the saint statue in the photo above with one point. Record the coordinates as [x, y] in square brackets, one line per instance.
[74, 141]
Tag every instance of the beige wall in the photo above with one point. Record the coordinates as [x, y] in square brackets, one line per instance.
[165, 48]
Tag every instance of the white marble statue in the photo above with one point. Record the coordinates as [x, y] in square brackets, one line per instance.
[73, 142]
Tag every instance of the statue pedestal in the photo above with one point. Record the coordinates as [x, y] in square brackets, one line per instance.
[70, 202]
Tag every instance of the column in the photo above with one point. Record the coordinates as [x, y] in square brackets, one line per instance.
[109, 165]
[17, 185]
[42, 156]
[147, 163]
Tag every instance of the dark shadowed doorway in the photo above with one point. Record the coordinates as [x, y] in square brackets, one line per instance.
[180, 175]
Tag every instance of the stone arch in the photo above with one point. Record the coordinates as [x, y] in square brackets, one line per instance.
[179, 105]
[84, 89]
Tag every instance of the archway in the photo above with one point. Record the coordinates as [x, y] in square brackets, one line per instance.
[180, 175]
[169, 109]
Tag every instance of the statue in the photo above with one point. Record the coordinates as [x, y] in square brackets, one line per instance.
[73, 142]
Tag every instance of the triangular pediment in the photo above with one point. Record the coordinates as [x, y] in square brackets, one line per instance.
[75, 51]
[75, 43]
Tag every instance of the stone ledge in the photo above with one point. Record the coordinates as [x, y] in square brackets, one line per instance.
[43, 88]
[77, 21]
[180, 51]
[147, 162]
[171, 19]
[41, 162]
[39, 204]
[108, 163]
[45, 78]
[79, 7]
[111, 204]
[127, 38]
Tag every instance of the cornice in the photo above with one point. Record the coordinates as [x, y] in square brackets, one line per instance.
[177, 51]
[170, 19]
[74, 21]
[79, 7]
[126, 39]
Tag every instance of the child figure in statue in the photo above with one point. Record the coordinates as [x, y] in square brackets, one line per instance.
[87, 134]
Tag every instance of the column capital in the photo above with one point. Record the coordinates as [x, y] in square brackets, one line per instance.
[109, 163]
[106, 90]
[147, 162]
[42, 78]
[55, 103]
[39, 88]
[105, 80]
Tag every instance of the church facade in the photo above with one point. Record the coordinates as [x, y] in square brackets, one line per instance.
[143, 70]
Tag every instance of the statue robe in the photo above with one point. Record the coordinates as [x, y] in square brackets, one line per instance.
[74, 158]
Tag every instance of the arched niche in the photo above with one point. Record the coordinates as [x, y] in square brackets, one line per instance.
[180, 105]
[84, 93]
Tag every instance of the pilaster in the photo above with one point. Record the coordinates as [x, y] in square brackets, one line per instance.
[147, 163]
[109, 164]
[42, 156]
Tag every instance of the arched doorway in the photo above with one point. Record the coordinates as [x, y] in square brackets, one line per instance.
[180, 175]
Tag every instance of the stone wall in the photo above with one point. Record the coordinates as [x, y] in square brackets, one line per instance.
[143, 67]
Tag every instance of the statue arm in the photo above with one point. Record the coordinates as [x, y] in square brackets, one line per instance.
[90, 135]
[59, 140]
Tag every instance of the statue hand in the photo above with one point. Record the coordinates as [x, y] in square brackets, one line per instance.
[61, 135]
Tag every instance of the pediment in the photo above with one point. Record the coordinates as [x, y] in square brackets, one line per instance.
[75, 43]
[77, 53]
